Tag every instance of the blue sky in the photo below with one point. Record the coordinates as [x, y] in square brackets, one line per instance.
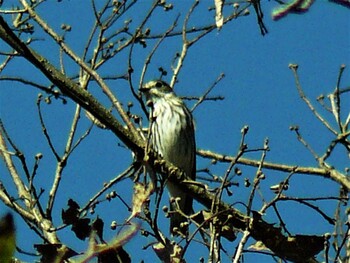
[259, 91]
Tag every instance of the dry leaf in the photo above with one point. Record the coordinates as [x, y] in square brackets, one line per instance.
[259, 246]
[219, 18]
[141, 195]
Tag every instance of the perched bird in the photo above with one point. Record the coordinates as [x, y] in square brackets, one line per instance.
[172, 137]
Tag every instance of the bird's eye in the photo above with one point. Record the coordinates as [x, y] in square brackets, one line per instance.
[159, 84]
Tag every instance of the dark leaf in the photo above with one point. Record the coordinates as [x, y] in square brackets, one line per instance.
[82, 228]
[118, 255]
[70, 215]
[97, 225]
[54, 253]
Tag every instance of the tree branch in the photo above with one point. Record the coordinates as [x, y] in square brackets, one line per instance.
[325, 171]
[71, 89]
[299, 248]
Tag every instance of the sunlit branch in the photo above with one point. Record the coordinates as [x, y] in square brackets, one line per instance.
[81, 63]
[324, 172]
[302, 95]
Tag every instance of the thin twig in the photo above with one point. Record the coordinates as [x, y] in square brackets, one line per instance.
[44, 129]
[302, 95]
[186, 44]
[107, 186]
[206, 93]
[28, 82]
[33, 214]
[240, 248]
[304, 202]
[147, 62]
[305, 143]
[5, 63]
[81, 63]
[21, 189]
[258, 177]
[335, 101]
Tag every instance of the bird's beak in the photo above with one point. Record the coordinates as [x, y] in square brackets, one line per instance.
[145, 91]
[145, 88]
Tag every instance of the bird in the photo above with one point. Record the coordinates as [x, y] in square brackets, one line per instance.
[172, 137]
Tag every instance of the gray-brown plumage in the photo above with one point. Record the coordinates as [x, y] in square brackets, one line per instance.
[172, 137]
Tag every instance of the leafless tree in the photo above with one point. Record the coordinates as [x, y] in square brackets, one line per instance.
[124, 38]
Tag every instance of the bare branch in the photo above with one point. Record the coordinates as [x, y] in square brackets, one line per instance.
[206, 93]
[294, 68]
[326, 172]
[28, 82]
[81, 63]
[70, 88]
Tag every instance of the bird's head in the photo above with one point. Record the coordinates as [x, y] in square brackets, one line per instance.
[156, 89]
